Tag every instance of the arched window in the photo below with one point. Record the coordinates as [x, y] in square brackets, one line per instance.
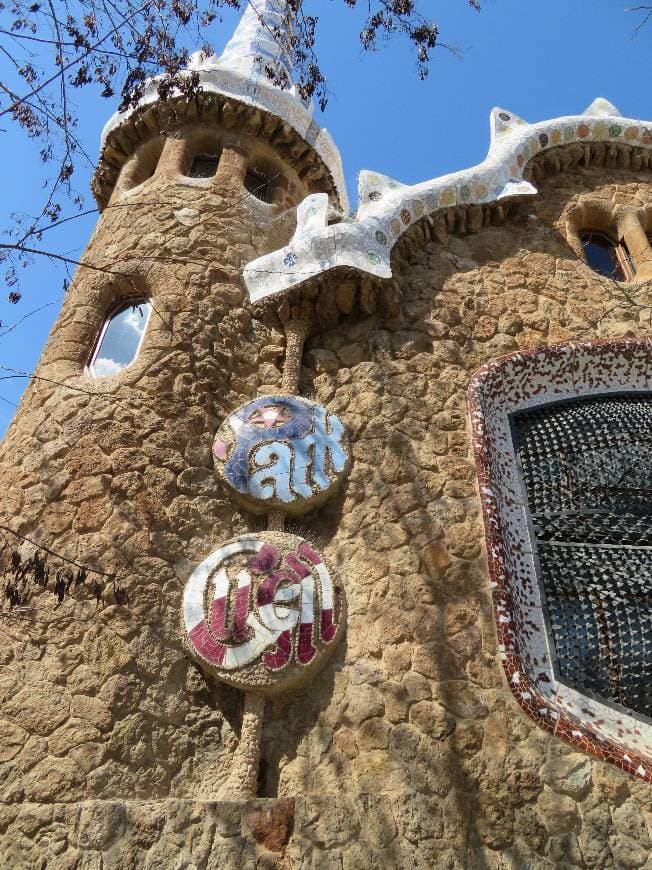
[204, 165]
[563, 447]
[258, 184]
[607, 257]
[120, 338]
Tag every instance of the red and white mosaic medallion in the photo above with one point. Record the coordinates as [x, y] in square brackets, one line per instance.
[263, 611]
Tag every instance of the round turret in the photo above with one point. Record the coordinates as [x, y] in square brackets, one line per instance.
[107, 471]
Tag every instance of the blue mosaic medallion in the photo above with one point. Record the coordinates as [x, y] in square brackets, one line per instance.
[282, 453]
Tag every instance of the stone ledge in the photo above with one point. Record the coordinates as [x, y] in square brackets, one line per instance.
[265, 832]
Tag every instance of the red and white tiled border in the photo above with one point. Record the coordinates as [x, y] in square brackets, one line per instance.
[502, 387]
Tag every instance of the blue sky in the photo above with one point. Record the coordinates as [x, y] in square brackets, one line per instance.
[537, 59]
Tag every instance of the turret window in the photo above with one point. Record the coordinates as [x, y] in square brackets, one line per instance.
[607, 257]
[258, 184]
[204, 165]
[120, 339]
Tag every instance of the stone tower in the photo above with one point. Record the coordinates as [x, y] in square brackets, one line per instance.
[354, 610]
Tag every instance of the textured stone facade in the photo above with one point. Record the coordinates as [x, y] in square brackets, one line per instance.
[408, 749]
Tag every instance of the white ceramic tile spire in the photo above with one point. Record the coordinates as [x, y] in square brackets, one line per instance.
[261, 40]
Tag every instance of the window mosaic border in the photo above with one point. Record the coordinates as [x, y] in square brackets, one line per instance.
[500, 389]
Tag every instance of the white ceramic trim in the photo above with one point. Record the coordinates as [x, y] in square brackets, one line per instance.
[521, 381]
[388, 208]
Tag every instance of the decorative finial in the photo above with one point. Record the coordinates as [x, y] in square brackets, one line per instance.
[502, 121]
[602, 108]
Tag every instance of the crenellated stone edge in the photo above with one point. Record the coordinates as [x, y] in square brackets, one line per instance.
[166, 118]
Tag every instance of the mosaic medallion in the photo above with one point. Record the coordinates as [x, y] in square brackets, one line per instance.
[282, 453]
[263, 611]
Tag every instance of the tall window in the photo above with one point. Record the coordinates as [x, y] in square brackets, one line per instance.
[607, 257]
[587, 470]
[120, 339]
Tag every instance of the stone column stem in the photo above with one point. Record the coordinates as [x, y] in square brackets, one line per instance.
[276, 521]
[242, 783]
[232, 167]
[169, 163]
[296, 332]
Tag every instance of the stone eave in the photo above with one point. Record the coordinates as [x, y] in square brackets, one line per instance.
[389, 209]
[344, 291]
[312, 154]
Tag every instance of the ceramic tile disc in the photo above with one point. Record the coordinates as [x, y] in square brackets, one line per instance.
[282, 453]
[263, 611]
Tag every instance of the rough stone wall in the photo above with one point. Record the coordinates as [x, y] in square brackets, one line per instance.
[408, 750]
[117, 474]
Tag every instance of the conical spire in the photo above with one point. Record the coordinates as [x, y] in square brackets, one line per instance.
[260, 41]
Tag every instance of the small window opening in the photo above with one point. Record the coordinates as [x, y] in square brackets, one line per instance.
[258, 184]
[143, 164]
[120, 339]
[606, 257]
[204, 165]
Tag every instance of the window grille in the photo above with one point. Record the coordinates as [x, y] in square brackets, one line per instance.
[258, 184]
[586, 466]
[204, 165]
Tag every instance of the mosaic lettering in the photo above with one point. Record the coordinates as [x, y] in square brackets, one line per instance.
[282, 451]
[269, 605]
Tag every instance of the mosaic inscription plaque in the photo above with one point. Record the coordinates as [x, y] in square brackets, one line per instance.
[263, 611]
[282, 453]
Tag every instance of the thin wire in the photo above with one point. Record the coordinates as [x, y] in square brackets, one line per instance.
[55, 554]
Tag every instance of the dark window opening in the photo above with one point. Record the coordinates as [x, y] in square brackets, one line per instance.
[258, 184]
[204, 165]
[606, 257]
[586, 467]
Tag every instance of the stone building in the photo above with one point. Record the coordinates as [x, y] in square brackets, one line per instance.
[365, 500]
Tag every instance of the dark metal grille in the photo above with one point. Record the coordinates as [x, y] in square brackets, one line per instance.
[587, 471]
[258, 184]
[204, 165]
